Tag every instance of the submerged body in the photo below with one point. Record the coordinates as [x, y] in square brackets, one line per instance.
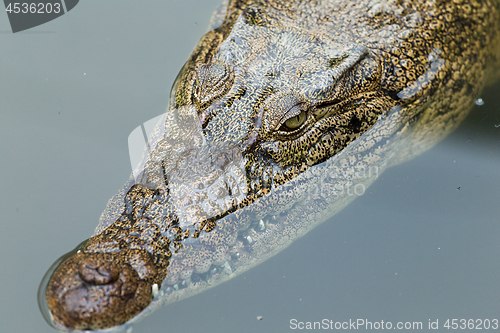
[281, 109]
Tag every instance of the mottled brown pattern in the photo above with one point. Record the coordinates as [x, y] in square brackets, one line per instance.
[282, 110]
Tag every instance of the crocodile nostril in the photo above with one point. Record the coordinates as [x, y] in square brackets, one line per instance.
[98, 273]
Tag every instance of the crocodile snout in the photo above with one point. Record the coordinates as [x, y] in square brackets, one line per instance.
[96, 291]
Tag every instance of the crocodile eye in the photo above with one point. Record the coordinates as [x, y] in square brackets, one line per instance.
[293, 119]
[294, 122]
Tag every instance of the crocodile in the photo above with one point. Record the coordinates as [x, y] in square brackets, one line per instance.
[283, 114]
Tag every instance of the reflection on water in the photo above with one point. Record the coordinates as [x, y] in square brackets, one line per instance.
[419, 244]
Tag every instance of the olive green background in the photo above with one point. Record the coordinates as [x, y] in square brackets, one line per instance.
[412, 248]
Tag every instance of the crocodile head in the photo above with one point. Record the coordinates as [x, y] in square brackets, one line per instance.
[259, 104]
[256, 105]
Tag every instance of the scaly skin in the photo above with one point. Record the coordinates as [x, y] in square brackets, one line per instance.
[281, 114]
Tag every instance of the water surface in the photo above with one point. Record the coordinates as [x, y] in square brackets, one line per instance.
[421, 243]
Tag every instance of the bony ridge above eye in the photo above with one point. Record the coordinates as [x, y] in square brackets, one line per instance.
[294, 118]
